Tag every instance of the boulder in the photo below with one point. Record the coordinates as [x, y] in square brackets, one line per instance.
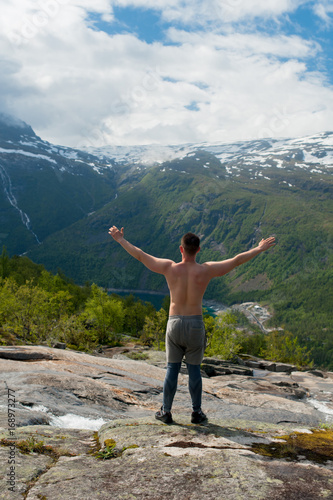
[300, 393]
[253, 364]
[262, 364]
[317, 373]
[214, 367]
[270, 366]
[283, 367]
[227, 369]
[59, 345]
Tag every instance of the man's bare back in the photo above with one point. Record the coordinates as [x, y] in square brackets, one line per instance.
[187, 280]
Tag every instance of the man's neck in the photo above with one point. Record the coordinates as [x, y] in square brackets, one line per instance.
[188, 258]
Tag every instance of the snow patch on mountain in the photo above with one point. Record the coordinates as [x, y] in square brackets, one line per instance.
[143, 155]
[306, 152]
[26, 153]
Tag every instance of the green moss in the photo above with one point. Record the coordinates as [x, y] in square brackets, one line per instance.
[138, 356]
[96, 447]
[110, 443]
[31, 445]
[110, 450]
[317, 446]
[131, 446]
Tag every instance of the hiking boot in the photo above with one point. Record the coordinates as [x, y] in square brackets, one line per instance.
[164, 416]
[198, 417]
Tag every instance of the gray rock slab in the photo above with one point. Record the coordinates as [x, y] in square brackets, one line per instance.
[27, 467]
[60, 394]
[98, 387]
[183, 461]
[24, 417]
[71, 441]
[169, 462]
[22, 354]
[155, 474]
[243, 399]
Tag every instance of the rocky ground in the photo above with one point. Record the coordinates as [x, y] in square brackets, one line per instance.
[85, 428]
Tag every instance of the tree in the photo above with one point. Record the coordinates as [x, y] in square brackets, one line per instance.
[135, 313]
[105, 313]
[223, 339]
[4, 263]
[74, 331]
[154, 329]
[285, 348]
[29, 311]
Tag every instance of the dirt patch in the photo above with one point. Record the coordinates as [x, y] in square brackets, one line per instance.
[260, 282]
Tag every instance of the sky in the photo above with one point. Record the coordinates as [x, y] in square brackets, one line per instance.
[132, 72]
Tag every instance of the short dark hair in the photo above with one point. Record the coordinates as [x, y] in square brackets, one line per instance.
[190, 242]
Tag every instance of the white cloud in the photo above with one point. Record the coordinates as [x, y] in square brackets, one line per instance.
[23, 20]
[245, 43]
[324, 10]
[76, 85]
[219, 11]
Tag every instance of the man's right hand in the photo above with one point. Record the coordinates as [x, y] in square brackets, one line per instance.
[116, 234]
[267, 243]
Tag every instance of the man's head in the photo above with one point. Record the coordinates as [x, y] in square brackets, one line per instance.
[190, 243]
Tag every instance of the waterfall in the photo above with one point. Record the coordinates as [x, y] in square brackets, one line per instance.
[7, 186]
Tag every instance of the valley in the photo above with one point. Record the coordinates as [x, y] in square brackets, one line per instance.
[57, 203]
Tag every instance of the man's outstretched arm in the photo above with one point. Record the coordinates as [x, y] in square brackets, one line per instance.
[153, 263]
[216, 269]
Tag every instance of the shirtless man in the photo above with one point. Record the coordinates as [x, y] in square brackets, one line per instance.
[185, 334]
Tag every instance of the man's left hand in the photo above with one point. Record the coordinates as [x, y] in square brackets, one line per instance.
[116, 234]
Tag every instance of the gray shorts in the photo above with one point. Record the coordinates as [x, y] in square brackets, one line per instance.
[185, 336]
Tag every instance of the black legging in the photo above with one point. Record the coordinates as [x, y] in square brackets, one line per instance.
[194, 385]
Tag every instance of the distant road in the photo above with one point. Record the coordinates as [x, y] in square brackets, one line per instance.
[252, 316]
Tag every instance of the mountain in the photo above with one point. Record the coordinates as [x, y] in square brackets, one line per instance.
[57, 204]
[45, 187]
[12, 129]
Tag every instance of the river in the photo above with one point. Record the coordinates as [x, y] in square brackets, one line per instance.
[156, 298]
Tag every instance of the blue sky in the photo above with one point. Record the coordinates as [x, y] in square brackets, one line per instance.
[95, 72]
[150, 27]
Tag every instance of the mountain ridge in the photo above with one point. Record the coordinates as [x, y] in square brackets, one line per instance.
[153, 154]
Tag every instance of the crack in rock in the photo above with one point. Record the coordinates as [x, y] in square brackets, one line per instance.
[192, 444]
